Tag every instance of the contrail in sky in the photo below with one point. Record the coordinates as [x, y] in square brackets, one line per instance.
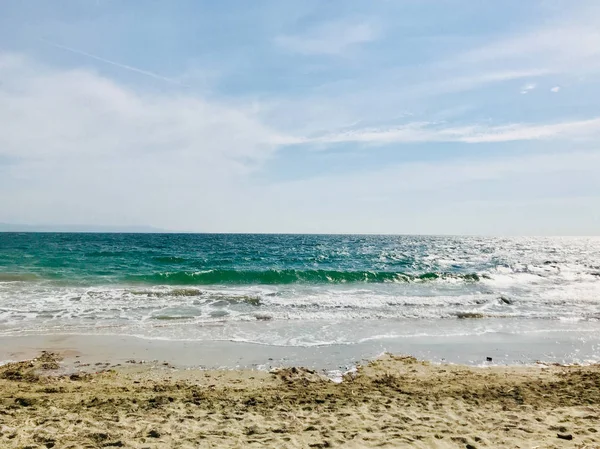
[116, 64]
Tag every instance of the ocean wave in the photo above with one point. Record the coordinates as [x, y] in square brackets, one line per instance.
[291, 276]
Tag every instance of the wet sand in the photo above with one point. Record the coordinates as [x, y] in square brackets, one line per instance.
[391, 402]
[562, 346]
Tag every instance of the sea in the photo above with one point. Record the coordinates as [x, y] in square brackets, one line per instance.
[520, 299]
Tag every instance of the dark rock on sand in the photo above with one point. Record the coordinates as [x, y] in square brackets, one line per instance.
[24, 402]
[154, 434]
[564, 436]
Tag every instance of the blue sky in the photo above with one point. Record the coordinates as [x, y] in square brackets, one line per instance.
[406, 116]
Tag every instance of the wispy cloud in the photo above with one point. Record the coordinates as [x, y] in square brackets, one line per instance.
[434, 132]
[461, 83]
[114, 63]
[570, 43]
[330, 39]
[577, 45]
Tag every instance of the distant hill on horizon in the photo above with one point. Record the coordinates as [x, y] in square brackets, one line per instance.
[15, 227]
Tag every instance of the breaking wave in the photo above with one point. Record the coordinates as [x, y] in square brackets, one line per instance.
[291, 276]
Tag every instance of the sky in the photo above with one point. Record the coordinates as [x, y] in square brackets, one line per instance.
[345, 116]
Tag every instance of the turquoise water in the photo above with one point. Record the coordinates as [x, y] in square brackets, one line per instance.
[205, 259]
[296, 290]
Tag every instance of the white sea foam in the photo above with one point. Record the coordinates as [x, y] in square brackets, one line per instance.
[566, 294]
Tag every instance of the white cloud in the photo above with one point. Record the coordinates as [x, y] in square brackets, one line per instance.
[52, 113]
[528, 87]
[555, 89]
[330, 39]
[87, 149]
[433, 132]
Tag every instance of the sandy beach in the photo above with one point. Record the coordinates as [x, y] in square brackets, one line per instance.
[390, 402]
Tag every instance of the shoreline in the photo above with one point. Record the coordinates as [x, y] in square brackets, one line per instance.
[503, 348]
[394, 401]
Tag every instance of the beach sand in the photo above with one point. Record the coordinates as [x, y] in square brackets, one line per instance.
[390, 402]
